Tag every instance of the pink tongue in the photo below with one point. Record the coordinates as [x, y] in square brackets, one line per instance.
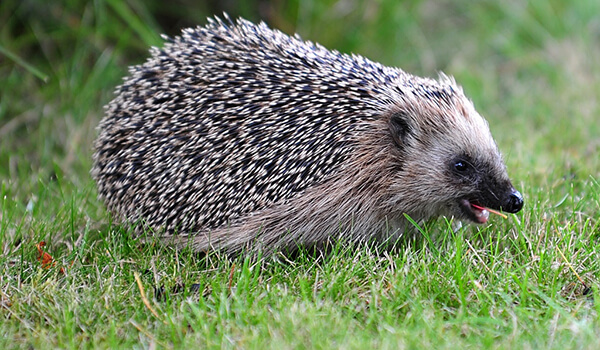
[481, 213]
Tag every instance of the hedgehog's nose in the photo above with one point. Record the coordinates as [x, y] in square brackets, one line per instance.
[514, 203]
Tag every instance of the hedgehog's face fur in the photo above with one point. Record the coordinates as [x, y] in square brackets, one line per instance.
[447, 156]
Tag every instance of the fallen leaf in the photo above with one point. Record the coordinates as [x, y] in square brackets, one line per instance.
[46, 259]
[43, 257]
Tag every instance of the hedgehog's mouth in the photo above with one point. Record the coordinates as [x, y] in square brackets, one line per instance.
[474, 211]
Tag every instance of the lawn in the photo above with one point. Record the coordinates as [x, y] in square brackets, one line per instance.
[529, 281]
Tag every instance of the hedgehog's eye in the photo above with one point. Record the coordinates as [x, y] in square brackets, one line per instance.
[461, 166]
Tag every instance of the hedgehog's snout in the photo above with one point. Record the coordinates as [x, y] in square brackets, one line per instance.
[514, 202]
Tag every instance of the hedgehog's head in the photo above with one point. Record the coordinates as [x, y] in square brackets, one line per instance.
[447, 155]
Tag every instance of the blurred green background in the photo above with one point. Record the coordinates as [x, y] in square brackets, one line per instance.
[531, 68]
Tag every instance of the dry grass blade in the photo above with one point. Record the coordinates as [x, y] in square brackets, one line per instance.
[144, 298]
[571, 266]
[491, 211]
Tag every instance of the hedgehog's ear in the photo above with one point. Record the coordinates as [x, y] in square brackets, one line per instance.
[399, 127]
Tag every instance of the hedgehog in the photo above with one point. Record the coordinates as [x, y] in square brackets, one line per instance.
[237, 137]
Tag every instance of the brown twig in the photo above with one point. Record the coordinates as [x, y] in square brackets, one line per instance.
[231, 278]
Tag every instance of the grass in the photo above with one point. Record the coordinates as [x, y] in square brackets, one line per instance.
[530, 68]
